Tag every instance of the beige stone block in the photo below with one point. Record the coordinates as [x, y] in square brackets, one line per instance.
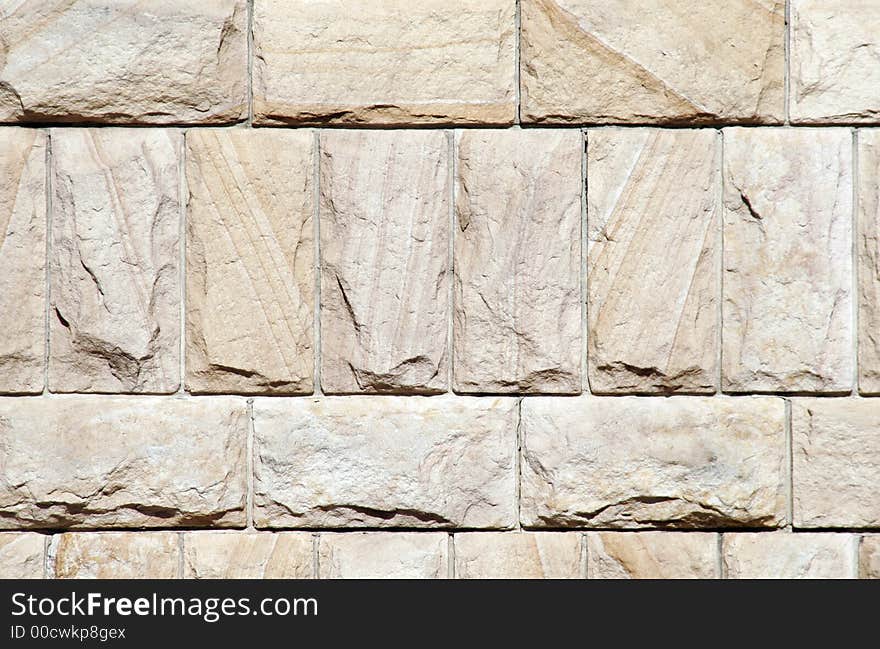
[385, 213]
[383, 555]
[784, 555]
[868, 250]
[517, 308]
[787, 303]
[115, 286]
[250, 261]
[654, 246]
[512, 555]
[628, 462]
[384, 62]
[22, 555]
[869, 557]
[652, 555]
[117, 555]
[245, 555]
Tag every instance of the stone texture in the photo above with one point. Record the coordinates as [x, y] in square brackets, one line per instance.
[117, 555]
[652, 555]
[244, 555]
[652, 61]
[868, 249]
[654, 244]
[115, 287]
[836, 462]
[869, 557]
[527, 555]
[21, 555]
[384, 462]
[642, 462]
[68, 462]
[383, 555]
[384, 62]
[250, 261]
[123, 61]
[835, 61]
[787, 260]
[22, 259]
[385, 261]
[517, 310]
[784, 555]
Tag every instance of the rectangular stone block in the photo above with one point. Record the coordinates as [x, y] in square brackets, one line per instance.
[246, 555]
[385, 462]
[115, 286]
[652, 555]
[384, 261]
[517, 304]
[661, 61]
[70, 461]
[627, 462]
[784, 555]
[869, 557]
[22, 555]
[250, 278]
[124, 61]
[22, 259]
[836, 462]
[384, 62]
[512, 555]
[117, 555]
[835, 69]
[654, 244]
[868, 250]
[383, 555]
[787, 303]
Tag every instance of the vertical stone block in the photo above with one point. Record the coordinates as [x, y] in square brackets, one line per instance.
[869, 557]
[868, 250]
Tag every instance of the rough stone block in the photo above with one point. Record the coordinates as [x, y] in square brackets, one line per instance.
[868, 250]
[869, 557]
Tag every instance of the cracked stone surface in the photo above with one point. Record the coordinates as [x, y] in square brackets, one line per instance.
[517, 311]
[652, 260]
[244, 555]
[652, 61]
[836, 462]
[383, 555]
[651, 555]
[74, 461]
[783, 555]
[835, 61]
[123, 61]
[22, 259]
[115, 286]
[627, 462]
[250, 275]
[385, 261]
[869, 557]
[117, 555]
[526, 555]
[868, 250]
[384, 62]
[379, 461]
[21, 555]
[787, 260]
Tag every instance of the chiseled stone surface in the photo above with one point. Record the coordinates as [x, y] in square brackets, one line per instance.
[378, 461]
[652, 61]
[73, 461]
[250, 261]
[784, 555]
[835, 61]
[652, 555]
[385, 261]
[517, 310]
[117, 555]
[246, 555]
[510, 555]
[869, 557]
[22, 259]
[787, 260]
[384, 62]
[645, 462]
[21, 555]
[654, 242]
[383, 555]
[868, 242]
[115, 286]
[123, 61]
[836, 462]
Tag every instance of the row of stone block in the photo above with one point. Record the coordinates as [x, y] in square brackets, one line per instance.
[69, 462]
[433, 555]
[393, 62]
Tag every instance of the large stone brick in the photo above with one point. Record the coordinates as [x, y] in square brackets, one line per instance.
[117, 555]
[652, 555]
[246, 555]
[383, 555]
[511, 555]
[783, 555]
[22, 555]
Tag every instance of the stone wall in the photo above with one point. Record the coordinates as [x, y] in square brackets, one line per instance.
[535, 288]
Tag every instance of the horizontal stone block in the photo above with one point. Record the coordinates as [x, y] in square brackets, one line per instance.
[869, 557]
[783, 555]
[246, 555]
[868, 260]
[652, 555]
[684, 462]
[22, 555]
[511, 555]
[117, 555]
[383, 555]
